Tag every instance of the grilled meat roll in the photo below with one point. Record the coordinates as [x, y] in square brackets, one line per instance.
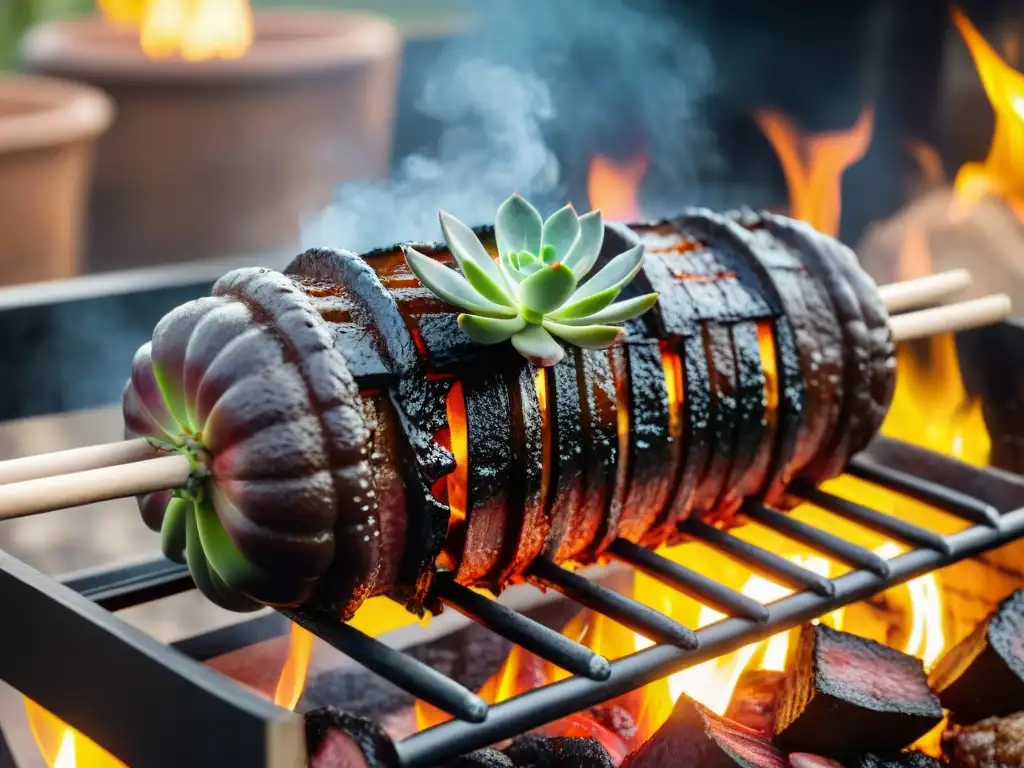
[349, 439]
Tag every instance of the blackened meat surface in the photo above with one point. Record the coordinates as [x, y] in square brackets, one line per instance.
[895, 760]
[482, 758]
[695, 736]
[983, 675]
[845, 694]
[337, 739]
[996, 742]
[532, 751]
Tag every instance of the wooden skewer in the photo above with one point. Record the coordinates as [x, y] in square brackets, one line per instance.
[75, 460]
[922, 291]
[45, 494]
[952, 317]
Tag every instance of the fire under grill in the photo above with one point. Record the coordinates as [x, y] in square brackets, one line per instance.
[137, 697]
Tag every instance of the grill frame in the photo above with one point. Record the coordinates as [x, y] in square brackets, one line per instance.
[226, 722]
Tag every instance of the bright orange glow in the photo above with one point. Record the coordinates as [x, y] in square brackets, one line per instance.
[614, 187]
[195, 30]
[458, 481]
[1000, 174]
[63, 747]
[814, 165]
[293, 674]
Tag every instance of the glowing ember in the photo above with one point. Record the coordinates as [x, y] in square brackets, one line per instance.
[1000, 174]
[195, 30]
[613, 186]
[814, 165]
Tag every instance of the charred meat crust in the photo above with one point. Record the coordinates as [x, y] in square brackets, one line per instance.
[821, 257]
[650, 466]
[528, 524]
[567, 457]
[754, 448]
[491, 463]
[377, 748]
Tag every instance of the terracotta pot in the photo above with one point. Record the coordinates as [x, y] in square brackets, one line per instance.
[228, 157]
[48, 132]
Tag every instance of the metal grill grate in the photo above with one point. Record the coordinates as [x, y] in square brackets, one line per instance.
[594, 679]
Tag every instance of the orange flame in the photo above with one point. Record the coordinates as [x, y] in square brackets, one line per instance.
[614, 186]
[814, 165]
[195, 30]
[293, 674]
[1000, 174]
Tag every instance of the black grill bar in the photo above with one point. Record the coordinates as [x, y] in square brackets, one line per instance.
[637, 616]
[760, 560]
[551, 702]
[941, 497]
[876, 521]
[521, 630]
[407, 673]
[129, 585]
[822, 541]
[696, 585]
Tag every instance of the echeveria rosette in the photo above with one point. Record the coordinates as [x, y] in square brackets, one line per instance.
[258, 521]
[533, 294]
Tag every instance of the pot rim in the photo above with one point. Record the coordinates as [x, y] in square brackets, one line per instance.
[287, 42]
[54, 111]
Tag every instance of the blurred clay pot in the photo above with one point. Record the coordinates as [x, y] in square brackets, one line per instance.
[48, 133]
[227, 157]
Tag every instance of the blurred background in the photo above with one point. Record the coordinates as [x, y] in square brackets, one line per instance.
[148, 146]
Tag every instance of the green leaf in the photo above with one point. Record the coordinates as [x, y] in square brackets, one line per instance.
[615, 313]
[586, 336]
[585, 250]
[561, 231]
[586, 306]
[450, 286]
[490, 330]
[546, 290]
[537, 346]
[616, 273]
[172, 529]
[525, 257]
[548, 254]
[484, 285]
[517, 226]
[206, 582]
[466, 246]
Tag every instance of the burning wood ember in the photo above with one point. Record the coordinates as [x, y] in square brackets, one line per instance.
[560, 752]
[336, 739]
[898, 760]
[844, 694]
[992, 743]
[983, 676]
[696, 736]
[756, 699]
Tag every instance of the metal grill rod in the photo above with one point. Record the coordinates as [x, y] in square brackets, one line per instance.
[551, 702]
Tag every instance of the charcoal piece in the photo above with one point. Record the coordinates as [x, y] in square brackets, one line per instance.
[845, 694]
[806, 760]
[482, 758]
[991, 743]
[615, 719]
[756, 698]
[695, 736]
[337, 739]
[983, 676]
[532, 751]
[895, 760]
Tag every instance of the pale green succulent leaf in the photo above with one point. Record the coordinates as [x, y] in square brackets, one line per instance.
[616, 273]
[466, 246]
[490, 330]
[512, 275]
[548, 254]
[203, 575]
[585, 250]
[547, 289]
[618, 312]
[533, 266]
[450, 286]
[561, 231]
[586, 306]
[517, 226]
[485, 286]
[537, 346]
[172, 529]
[586, 336]
[525, 257]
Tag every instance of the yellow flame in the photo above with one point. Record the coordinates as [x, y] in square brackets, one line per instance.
[293, 674]
[63, 747]
[613, 187]
[195, 30]
[1000, 173]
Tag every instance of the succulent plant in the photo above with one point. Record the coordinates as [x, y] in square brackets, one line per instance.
[533, 294]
